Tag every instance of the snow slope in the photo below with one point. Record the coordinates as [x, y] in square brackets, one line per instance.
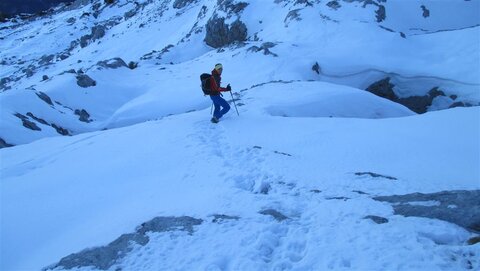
[298, 145]
[61, 195]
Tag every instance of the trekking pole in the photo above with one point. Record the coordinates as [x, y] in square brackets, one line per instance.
[233, 100]
[211, 109]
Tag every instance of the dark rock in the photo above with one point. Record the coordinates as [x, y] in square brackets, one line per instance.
[44, 60]
[377, 219]
[460, 207]
[44, 97]
[113, 63]
[380, 14]
[459, 104]
[316, 191]
[129, 14]
[4, 144]
[85, 81]
[474, 240]
[435, 92]
[83, 114]
[292, 15]
[375, 175]
[420, 104]
[27, 123]
[71, 20]
[220, 218]
[42, 121]
[60, 130]
[334, 4]
[29, 72]
[132, 65]
[360, 192]
[426, 12]
[384, 89]
[303, 2]
[44, 77]
[97, 32]
[106, 256]
[219, 34]
[316, 68]
[338, 198]
[238, 32]
[274, 213]
[178, 4]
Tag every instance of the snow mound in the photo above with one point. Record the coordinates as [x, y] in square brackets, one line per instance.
[320, 99]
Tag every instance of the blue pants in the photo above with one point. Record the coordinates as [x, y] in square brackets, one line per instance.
[219, 102]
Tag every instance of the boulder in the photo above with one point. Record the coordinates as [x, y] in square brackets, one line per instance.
[85, 81]
[83, 114]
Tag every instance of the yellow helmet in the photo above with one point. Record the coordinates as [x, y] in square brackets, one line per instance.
[218, 66]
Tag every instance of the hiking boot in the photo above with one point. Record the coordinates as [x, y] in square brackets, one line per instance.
[214, 120]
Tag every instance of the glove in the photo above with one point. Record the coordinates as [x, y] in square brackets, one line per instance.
[229, 88]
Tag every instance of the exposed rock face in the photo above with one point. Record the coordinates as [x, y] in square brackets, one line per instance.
[106, 256]
[97, 32]
[4, 144]
[85, 81]
[426, 12]
[418, 104]
[384, 89]
[381, 13]
[44, 97]
[460, 207]
[27, 123]
[83, 114]
[220, 34]
[178, 4]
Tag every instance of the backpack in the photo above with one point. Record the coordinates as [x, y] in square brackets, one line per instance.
[205, 78]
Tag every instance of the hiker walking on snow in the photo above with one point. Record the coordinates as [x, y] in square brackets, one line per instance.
[221, 106]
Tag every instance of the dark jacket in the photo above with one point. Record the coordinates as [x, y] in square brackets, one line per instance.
[215, 84]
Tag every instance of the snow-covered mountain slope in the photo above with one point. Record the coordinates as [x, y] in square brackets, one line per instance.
[63, 194]
[354, 43]
[288, 184]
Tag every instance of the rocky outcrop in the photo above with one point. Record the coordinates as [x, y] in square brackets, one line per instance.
[419, 104]
[83, 114]
[85, 81]
[97, 32]
[4, 144]
[178, 4]
[106, 256]
[220, 34]
[461, 207]
[44, 97]
[27, 123]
